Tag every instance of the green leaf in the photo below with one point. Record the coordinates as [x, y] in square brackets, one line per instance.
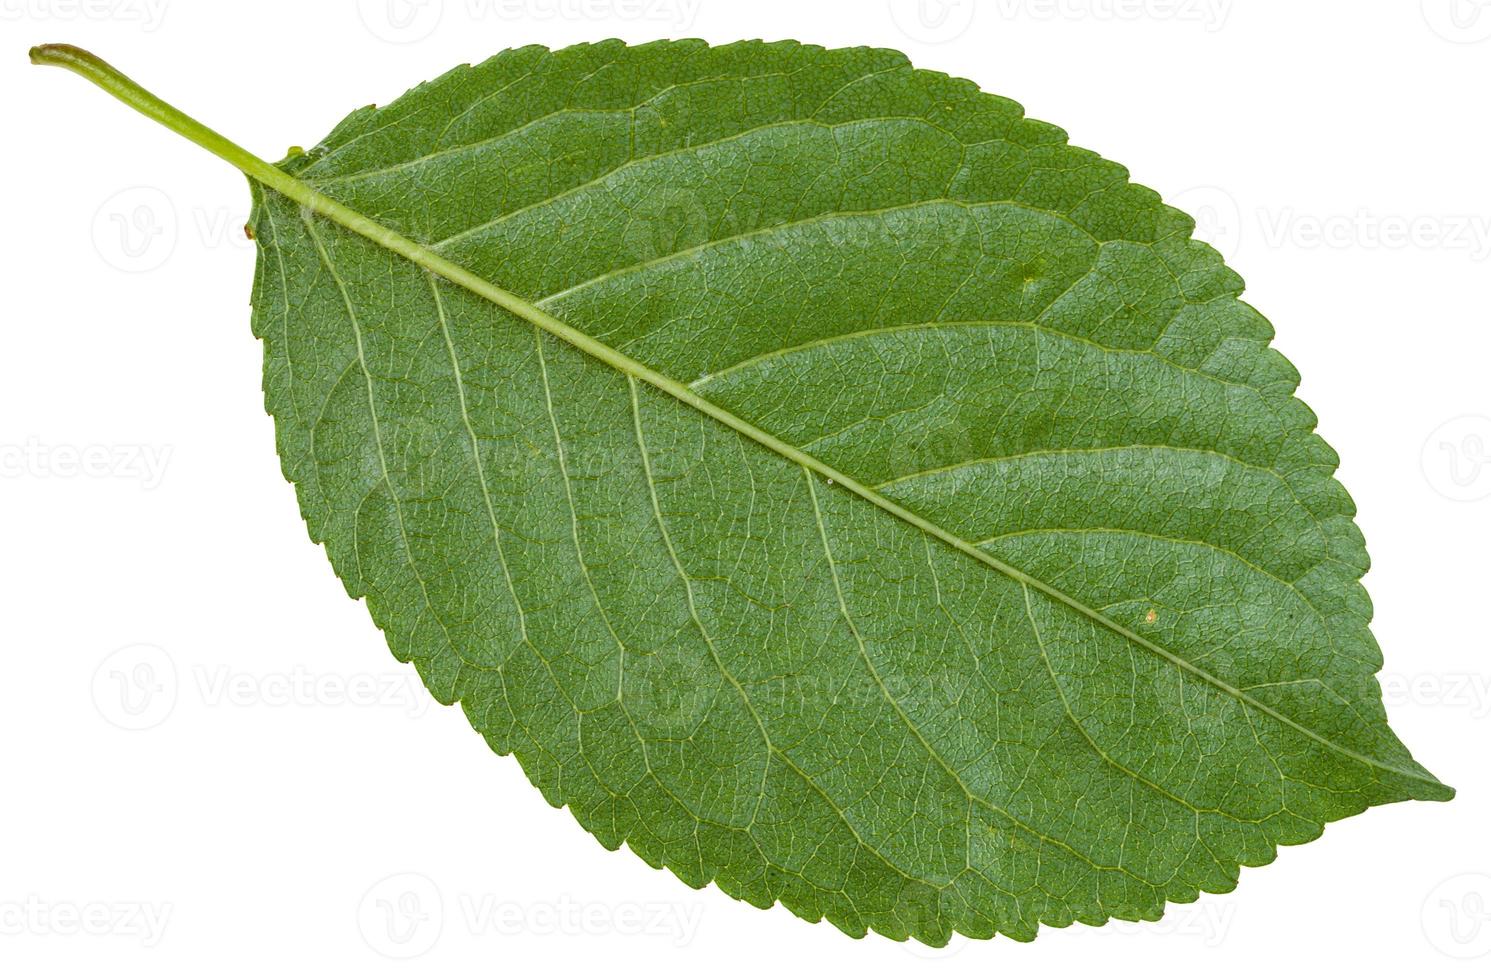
[825, 480]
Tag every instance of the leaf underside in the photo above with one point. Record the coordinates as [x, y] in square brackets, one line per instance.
[748, 673]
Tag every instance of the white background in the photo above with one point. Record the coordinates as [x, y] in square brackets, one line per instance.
[211, 762]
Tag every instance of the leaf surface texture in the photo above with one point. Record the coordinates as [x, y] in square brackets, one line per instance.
[755, 675]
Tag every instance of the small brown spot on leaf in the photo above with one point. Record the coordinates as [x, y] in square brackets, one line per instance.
[1151, 616]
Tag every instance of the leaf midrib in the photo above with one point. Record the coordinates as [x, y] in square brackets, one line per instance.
[528, 311]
